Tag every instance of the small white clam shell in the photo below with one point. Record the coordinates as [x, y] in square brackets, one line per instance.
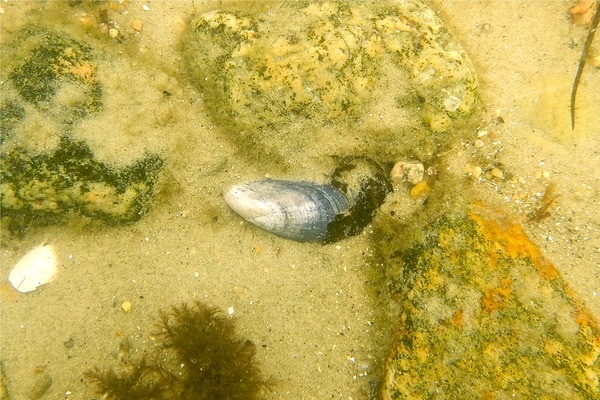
[294, 210]
[34, 269]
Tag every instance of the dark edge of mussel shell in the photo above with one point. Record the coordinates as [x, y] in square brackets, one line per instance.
[366, 184]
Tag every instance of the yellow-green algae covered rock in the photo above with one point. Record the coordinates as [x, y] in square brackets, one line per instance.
[485, 316]
[50, 86]
[327, 68]
[44, 188]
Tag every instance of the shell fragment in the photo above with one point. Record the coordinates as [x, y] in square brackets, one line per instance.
[35, 269]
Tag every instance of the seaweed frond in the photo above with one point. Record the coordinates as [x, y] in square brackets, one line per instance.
[136, 381]
[200, 357]
[542, 211]
[214, 363]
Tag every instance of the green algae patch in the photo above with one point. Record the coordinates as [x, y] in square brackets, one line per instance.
[43, 188]
[53, 110]
[11, 114]
[54, 73]
[484, 315]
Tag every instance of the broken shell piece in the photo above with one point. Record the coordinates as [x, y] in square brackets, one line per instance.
[35, 269]
[405, 171]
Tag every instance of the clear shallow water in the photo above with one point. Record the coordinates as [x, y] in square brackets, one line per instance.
[308, 309]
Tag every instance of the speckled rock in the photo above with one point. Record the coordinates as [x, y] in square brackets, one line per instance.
[46, 187]
[369, 71]
[48, 171]
[485, 316]
[53, 73]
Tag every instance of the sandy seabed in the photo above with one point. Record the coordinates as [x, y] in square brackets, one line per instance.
[308, 308]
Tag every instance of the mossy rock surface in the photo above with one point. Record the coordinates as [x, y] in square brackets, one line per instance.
[341, 79]
[48, 186]
[485, 315]
[54, 73]
[51, 87]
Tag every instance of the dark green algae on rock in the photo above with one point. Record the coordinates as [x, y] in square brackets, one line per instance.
[50, 86]
[47, 186]
[46, 62]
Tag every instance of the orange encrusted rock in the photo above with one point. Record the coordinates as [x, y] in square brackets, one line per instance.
[485, 315]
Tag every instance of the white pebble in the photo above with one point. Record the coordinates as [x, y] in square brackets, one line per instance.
[411, 172]
[126, 306]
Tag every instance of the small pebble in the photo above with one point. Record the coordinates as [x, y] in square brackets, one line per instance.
[113, 32]
[118, 6]
[87, 20]
[519, 196]
[421, 189]
[407, 171]
[473, 170]
[126, 306]
[137, 25]
[497, 173]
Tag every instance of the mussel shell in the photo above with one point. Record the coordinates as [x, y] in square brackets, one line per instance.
[300, 211]
[309, 212]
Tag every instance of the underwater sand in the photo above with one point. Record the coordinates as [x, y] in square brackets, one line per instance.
[310, 309]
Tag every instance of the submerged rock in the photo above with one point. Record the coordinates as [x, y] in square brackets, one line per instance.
[52, 72]
[485, 315]
[43, 188]
[51, 89]
[367, 72]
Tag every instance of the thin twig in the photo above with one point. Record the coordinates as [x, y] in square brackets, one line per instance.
[587, 45]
